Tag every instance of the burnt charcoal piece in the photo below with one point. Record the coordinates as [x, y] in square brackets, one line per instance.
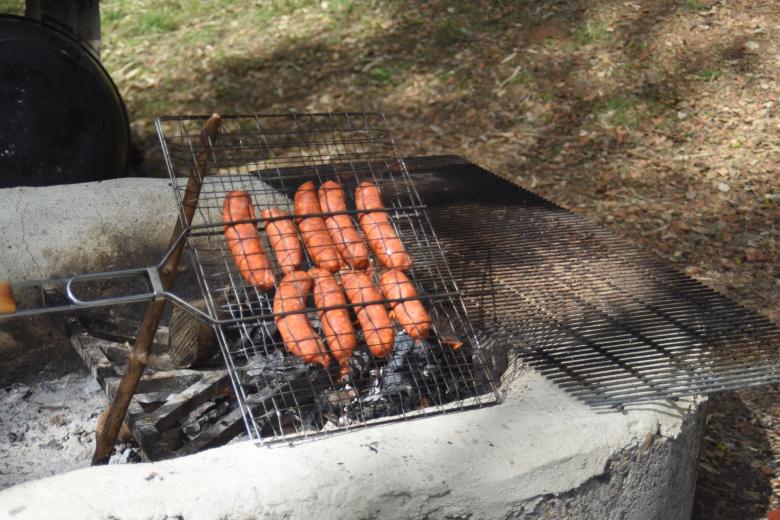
[418, 373]
[360, 368]
[332, 403]
[255, 339]
[444, 373]
[273, 369]
[285, 384]
[383, 405]
[397, 376]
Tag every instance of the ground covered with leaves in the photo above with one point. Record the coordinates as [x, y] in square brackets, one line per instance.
[655, 118]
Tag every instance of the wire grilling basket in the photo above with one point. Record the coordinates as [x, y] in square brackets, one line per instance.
[282, 395]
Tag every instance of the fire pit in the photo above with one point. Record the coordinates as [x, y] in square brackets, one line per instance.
[624, 338]
[434, 365]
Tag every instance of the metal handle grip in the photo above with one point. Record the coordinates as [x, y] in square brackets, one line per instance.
[156, 290]
[69, 286]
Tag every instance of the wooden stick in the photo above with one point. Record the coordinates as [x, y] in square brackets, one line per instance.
[139, 355]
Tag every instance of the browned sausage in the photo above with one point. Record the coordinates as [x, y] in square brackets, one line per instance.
[367, 197]
[410, 314]
[299, 338]
[315, 235]
[336, 323]
[243, 240]
[378, 230]
[340, 227]
[283, 237]
[374, 320]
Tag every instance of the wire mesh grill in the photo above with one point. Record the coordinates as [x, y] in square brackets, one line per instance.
[282, 395]
[601, 318]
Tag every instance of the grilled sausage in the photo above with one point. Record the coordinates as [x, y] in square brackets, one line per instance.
[340, 227]
[378, 230]
[283, 237]
[336, 323]
[297, 333]
[315, 235]
[410, 314]
[374, 320]
[243, 240]
[367, 197]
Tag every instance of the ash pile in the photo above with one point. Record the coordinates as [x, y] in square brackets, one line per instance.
[288, 396]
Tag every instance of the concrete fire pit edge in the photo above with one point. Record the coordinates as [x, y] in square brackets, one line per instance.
[538, 452]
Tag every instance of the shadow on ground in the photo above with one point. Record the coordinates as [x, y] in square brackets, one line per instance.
[734, 447]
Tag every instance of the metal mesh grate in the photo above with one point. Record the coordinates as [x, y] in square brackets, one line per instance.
[281, 396]
[602, 319]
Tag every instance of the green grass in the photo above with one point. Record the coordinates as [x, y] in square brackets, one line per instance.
[381, 75]
[622, 110]
[12, 7]
[390, 73]
[709, 74]
[448, 33]
[158, 21]
[587, 33]
[111, 16]
[629, 111]
[268, 10]
[695, 5]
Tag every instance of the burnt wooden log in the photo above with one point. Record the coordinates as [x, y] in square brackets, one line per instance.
[190, 341]
[115, 328]
[163, 398]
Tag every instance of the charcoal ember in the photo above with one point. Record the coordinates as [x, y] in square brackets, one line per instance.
[444, 373]
[288, 422]
[360, 366]
[205, 415]
[202, 409]
[285, 384]
[274, 422]
[255, 339]
[314, 321]
[332, 403]
[396, 376]
[273, 365]
[379, 405]
[223, 407]
[417, 373]
[191, 429]
[125, 454]
[240, 307]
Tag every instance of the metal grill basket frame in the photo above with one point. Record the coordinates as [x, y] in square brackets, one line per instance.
[269, 156]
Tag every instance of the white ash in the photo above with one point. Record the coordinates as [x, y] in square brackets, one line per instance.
[48, 427]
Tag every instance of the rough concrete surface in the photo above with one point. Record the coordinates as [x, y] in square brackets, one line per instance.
[76, 228]
[540, 454]
[63, 230]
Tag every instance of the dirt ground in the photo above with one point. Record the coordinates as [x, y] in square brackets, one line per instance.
[655, 118]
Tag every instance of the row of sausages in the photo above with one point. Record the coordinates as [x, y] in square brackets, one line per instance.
[333, 243]
[331, 240]
[303, 341]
